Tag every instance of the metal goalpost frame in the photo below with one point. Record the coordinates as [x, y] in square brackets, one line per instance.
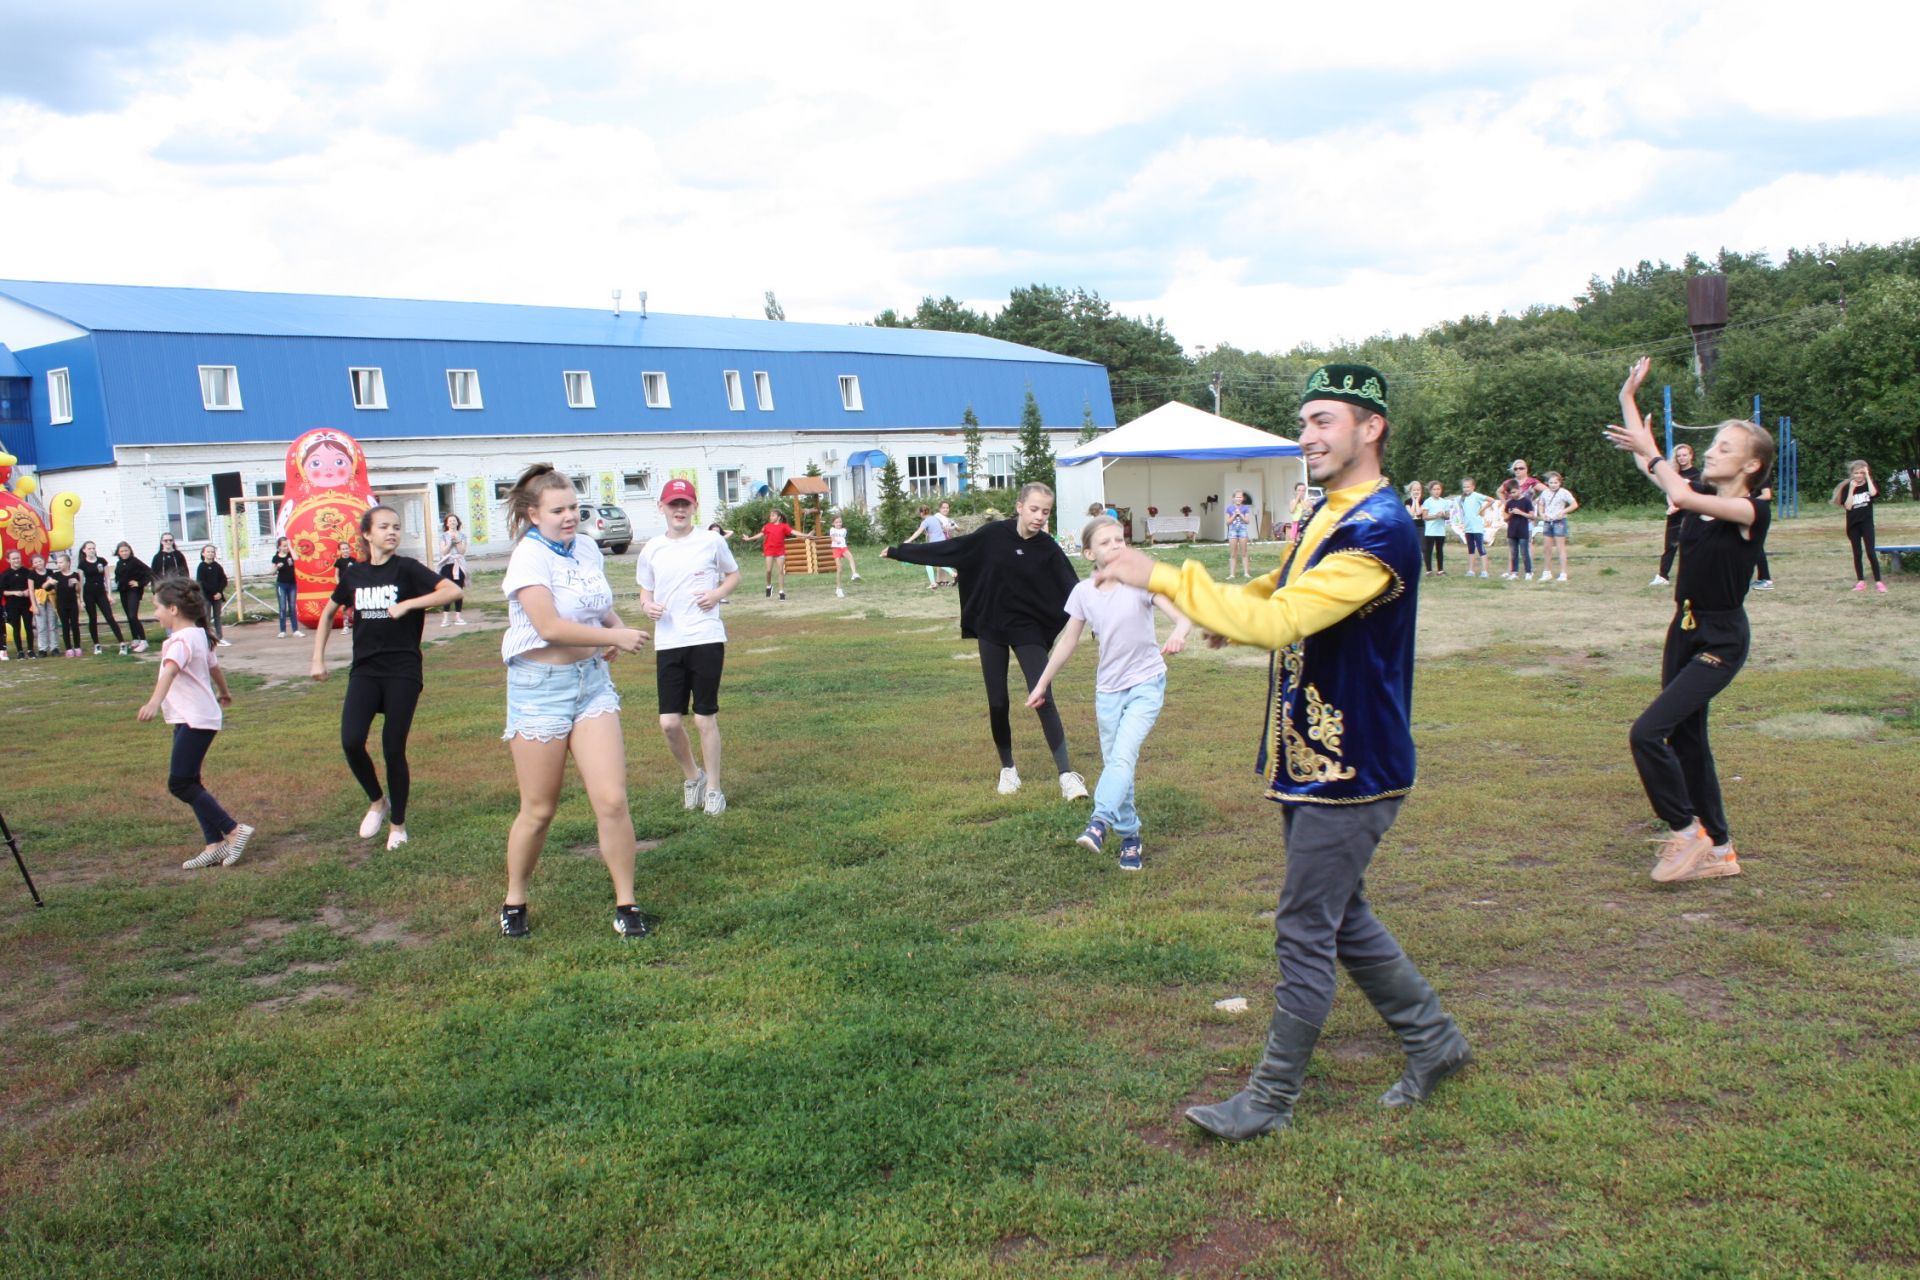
[250, 552]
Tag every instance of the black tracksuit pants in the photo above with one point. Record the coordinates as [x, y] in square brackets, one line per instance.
[1669, 739]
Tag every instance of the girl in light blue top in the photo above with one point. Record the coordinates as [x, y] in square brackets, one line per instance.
[1436, 510]
[1472, 506]
[1239, 519]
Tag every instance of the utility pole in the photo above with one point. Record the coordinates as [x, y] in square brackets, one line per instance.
[1216, 393]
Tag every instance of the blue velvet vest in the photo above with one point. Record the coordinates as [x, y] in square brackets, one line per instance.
[1339, 703]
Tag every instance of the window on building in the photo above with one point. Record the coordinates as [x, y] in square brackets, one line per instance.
[923, 474]
[187, 511]
[727, 484]
[833, 490]
[265, 513]
[736, 400]
[463, 388]
[501, 488]
[369, 389]
[776, 476]
[583, 487]
[59, 396]
[637, 483]
[655, 385]
[763, 391]
[999, 468]
[579, 389]
[850, 392]
[219, 386]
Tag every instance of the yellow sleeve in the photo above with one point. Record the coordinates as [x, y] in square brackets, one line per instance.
[1322, 596]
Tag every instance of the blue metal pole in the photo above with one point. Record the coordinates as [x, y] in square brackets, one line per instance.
[1756, 409]
[1666, 403]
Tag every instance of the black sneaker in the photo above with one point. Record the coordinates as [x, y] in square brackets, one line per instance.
[513, 921]
[769, 593]
[628, 922]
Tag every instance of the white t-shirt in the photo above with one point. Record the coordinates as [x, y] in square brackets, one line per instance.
[190, 698]
[578, 582]
[839, 535]
[1552, 504]
[935, 527]
[677, 571]
[1121, 619]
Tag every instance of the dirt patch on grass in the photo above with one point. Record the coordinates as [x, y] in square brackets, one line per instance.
[1800, 725]
[306, 995]
[258, 651]
[1007, 1250]
[1229, 1245]
[1524, 986]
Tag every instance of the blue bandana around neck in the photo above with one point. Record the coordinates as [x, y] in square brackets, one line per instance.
[555, 547]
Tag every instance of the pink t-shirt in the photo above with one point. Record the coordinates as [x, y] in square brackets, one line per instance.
[190, 700]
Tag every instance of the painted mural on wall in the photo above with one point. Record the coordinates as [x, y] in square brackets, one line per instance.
[476, 511]
[26, 526]
[327, 490]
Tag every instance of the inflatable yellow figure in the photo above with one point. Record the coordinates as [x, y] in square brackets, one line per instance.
[22, 527]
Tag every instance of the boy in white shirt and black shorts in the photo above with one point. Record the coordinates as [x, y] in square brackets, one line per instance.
[685, 574]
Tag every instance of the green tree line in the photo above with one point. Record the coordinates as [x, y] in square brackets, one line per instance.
[1829, 337]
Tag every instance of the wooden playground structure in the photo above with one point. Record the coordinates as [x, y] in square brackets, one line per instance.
[808, 552]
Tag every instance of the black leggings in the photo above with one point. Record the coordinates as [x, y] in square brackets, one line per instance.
[97, 604]
[1433, 550]
[394, 698]
[1672, 547]
[1670, 738]
[130, 603]
[69, 614]
[1860, 537]
[1033, 660]
[19, 620]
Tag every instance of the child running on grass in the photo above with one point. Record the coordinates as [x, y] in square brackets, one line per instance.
[841, 554]
[190, 692]
[1130, 685]
[1723, 530]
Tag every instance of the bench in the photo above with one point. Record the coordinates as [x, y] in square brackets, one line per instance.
[1893, 553]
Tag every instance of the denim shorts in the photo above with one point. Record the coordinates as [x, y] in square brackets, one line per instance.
[1556, 528]
[545, 700]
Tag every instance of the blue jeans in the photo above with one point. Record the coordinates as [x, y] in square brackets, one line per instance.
[1519, 549]
[183, 780]
[289, 621]
[1125, 719]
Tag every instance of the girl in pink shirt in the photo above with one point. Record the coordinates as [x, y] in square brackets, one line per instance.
[190, 692]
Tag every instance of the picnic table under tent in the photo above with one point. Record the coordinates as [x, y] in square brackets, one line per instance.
[1173, 457]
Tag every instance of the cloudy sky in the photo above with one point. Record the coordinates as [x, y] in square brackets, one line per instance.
[1263, 174]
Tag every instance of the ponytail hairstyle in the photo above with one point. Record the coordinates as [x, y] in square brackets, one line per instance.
[184, 594]
[1759, 445]
[524, 497]
[1840, 490]
[1032, 486]
[366, 517]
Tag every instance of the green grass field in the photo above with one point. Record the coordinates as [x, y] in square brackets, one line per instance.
[895, 1024]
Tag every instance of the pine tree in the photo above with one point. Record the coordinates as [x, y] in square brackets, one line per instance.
[970, 432]
[1035, 463]
[813, 503]
[1087, 430]
[896, 513]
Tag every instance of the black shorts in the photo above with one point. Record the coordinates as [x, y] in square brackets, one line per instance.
[690, 676]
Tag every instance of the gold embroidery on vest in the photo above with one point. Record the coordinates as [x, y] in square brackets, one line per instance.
[1326, 724]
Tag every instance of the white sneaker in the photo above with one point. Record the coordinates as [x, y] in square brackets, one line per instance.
[225, 643]
[840, 593]
[396, 837]
[716, 804]
[459, 621]
[376, 817]
[856, 577]
[1546, 575]
[278, 635]
[1561, 578]
[1009, 780]
[1485, 574]
[1659, 581]
[1072, 786]
[445, 620]
[1507, 577]
[236, 844]
[691, 789]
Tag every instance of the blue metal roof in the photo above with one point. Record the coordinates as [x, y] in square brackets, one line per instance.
[145, 309]
[10, 366]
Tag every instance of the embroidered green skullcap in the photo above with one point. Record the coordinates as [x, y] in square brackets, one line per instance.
[1359, 385]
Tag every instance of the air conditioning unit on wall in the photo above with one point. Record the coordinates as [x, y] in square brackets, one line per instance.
[830, 457]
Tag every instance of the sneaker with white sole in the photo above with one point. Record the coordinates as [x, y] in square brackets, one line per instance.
[1659, 580]
[692, 788]
[716, 804]
[224, 643]
[1764, 584]
[1009, 780]
[236, 844]
[1072, 786]
[376, 818]
[1681, 853]
[840, 592]
[1094, 838]
[396, 837]
[1561, 578]
[1130, 851]
[630, 922]
[205, 858]
[513, 920]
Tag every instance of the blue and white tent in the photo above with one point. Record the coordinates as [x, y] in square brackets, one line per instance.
[1179, 456]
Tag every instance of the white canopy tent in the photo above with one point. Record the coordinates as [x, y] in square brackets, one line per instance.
[1179, 456]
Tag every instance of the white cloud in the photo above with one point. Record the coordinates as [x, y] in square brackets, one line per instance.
[857, 156]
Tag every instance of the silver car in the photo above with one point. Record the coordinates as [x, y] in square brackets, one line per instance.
[606, 525]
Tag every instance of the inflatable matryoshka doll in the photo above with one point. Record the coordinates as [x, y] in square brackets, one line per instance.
[327, 490]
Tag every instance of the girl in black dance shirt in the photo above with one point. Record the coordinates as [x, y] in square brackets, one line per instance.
[131, 578]
[390, 596]
[1722, 532]
[169, 561]
[212, 577]
[1855, 496]
[66, 604]
[1014, 583]
[93, 575]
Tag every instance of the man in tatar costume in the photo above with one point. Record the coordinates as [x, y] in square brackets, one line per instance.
[1337, 751]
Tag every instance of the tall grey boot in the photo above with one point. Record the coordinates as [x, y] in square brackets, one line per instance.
[1434, 1046]
[1266, 1104]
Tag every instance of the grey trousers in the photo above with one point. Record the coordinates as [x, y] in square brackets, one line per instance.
[1323, 913]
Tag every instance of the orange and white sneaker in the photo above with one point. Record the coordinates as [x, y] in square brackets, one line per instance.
[1719, 861]
[1682, 853]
